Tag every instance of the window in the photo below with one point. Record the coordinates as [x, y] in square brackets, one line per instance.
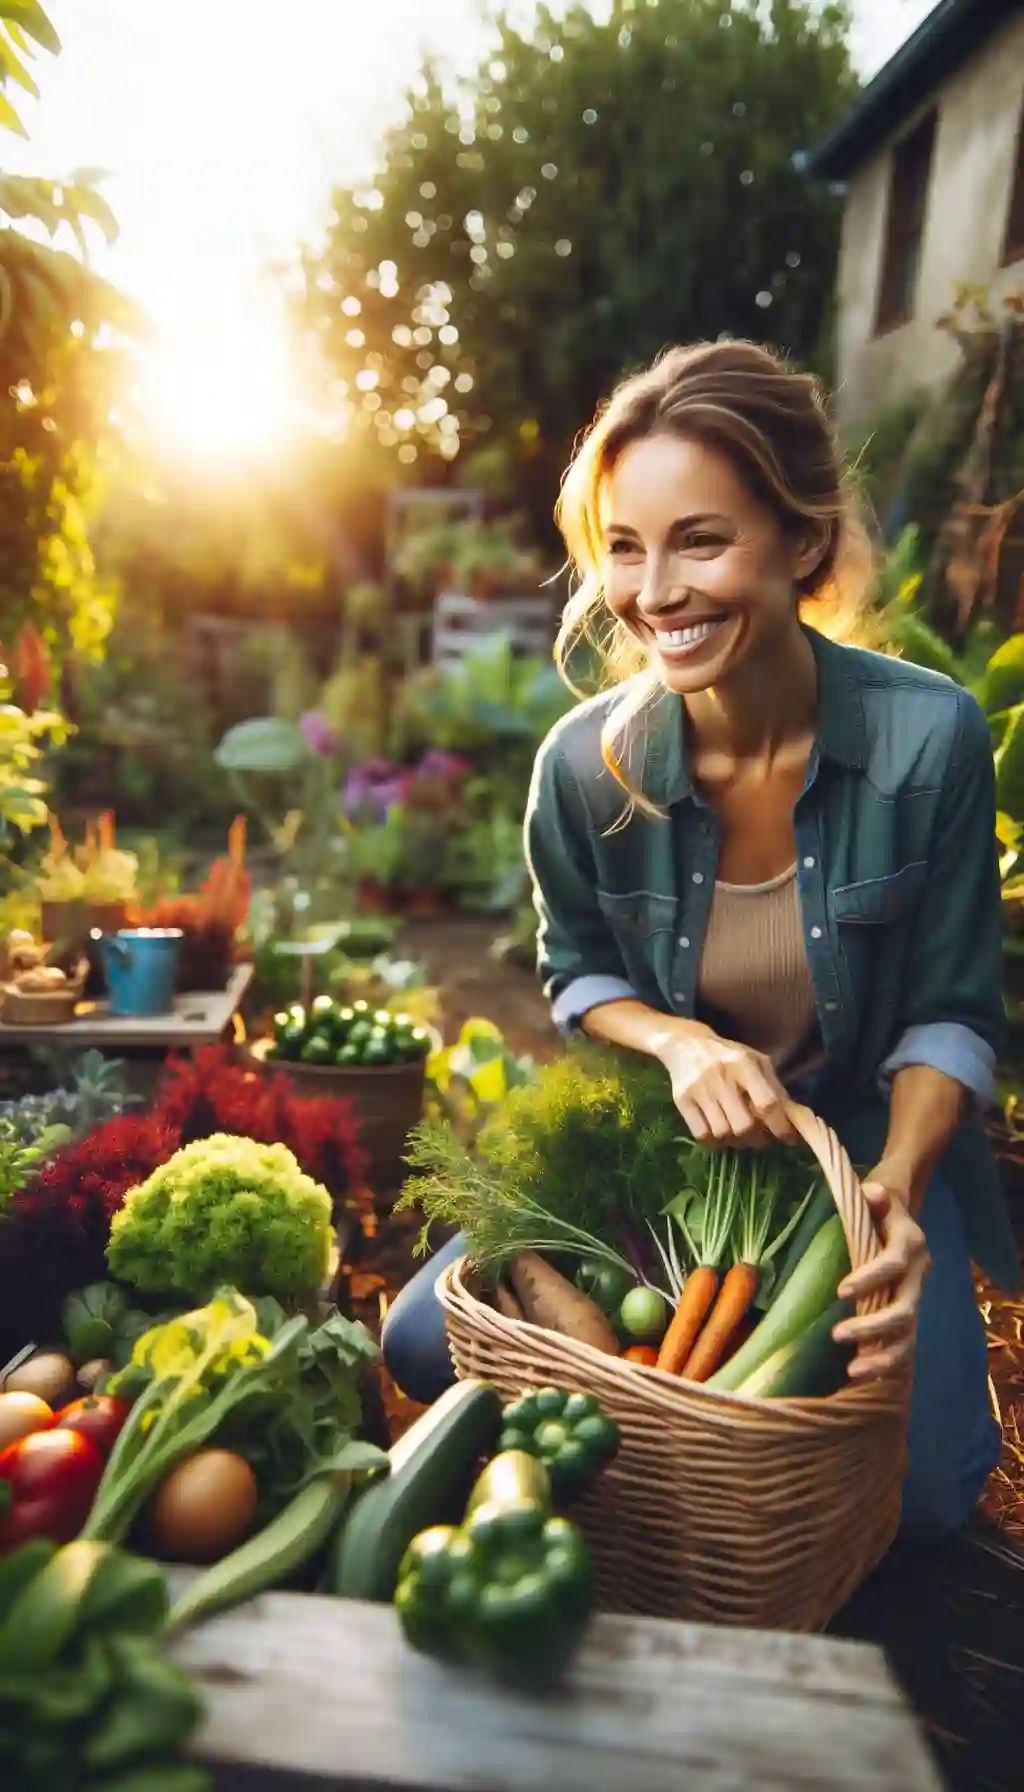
[904, 226]
[1013, 242]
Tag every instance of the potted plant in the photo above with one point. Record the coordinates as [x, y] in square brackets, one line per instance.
[85, 887]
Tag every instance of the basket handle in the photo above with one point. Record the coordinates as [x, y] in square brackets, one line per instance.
[858, 1222]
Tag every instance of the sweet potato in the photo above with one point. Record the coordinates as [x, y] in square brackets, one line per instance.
[547, 1299]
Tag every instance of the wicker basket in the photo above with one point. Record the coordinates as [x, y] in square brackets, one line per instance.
[387, 1098]
[42, 1007]
[719, 1508]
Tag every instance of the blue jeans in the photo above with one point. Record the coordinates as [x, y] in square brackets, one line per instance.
[954, 1440]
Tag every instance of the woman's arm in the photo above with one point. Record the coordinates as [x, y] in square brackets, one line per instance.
[925, 1110]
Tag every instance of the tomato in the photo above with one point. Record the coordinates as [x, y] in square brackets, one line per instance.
[47, 1485]
[99, 1416]
[643, 1314]
[642, 1353]
[605, 1283]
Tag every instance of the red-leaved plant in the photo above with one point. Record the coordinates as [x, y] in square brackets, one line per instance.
[53, 1235]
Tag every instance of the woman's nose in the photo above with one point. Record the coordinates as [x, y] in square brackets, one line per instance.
[659, 590]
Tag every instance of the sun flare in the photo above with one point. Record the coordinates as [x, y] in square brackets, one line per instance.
[225, 392]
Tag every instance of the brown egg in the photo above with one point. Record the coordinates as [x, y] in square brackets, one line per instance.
[21, 1414]
[204, 1507]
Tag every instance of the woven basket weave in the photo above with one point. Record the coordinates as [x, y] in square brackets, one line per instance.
[719, 1508]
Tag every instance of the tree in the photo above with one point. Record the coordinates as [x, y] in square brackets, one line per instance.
[591, 192]
[53, 309]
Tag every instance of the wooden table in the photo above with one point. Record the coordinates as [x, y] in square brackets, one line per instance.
[198, 1018]
[314, 1693]
[202, 1017]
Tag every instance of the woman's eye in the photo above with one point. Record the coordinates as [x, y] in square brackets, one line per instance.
[703, 541]
[621, 549]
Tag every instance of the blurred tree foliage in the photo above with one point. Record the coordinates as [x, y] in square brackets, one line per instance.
[594, 190]
[60, 364]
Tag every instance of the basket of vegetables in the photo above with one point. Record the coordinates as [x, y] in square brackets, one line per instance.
[694, 1294]
[373, 1057]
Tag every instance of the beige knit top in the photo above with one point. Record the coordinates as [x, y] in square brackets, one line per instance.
[755, 982]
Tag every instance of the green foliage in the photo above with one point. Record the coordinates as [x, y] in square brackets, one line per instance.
[23, 739]
[53, 309]
[595, 188]
[262, 744]
[590, 1144]
[221, 1210]
[493, 697]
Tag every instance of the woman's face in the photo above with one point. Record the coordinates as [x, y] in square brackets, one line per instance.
[696, 566]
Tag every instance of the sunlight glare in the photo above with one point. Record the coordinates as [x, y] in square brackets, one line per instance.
[223, 391]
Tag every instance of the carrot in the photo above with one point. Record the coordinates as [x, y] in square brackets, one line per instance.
[547, 1299]
[695, 1303]
[732, 1304]
[641, 1353]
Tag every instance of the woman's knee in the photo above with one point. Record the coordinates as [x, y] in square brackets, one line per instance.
[944, 1484]
[414, 1339]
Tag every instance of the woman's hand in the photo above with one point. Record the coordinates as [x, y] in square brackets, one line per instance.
[885, 1340]
[726, 1093]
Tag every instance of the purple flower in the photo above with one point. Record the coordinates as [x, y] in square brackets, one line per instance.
[448, 767]
[318, 734]
[373, 789]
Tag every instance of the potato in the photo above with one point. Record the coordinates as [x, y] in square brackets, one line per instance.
[547, 1299]
[89, 1374]
[203, 1508]
[48, 1374]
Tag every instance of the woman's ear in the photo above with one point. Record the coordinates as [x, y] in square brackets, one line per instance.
[812, 545]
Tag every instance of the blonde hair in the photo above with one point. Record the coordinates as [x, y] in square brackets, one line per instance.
[772, 423]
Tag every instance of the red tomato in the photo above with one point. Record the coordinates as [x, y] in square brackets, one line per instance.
[47, 1484]
[99, 1416]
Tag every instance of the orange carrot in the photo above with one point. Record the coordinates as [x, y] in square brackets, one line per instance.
[641, 1353]
[695, 1302]
[733, 1303]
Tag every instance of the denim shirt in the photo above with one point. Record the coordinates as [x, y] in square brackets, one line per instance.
[898, 876]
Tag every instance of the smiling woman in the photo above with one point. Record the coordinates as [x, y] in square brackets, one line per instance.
[222, 390]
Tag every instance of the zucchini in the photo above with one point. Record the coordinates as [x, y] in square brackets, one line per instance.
[809, 1366]
[514, 1478]
[820, 1208]
[432, 1470]
[810, 1289]
[273, 1555]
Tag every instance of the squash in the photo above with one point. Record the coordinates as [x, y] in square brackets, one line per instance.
[432, 1471]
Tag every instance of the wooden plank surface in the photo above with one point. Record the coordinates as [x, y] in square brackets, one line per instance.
[312, 1693]
[198, 1018]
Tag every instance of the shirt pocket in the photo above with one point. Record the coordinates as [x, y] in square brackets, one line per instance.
[642, 923]
[873, 918]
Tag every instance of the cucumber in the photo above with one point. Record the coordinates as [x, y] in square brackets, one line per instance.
[432, 1470]
[810, 1289]
[271, 1556]
[820, 1208]
[809, 1366]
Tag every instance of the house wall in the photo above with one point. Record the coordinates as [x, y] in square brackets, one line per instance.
[968, 199]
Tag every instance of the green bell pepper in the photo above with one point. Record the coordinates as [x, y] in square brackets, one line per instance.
[568, 1433]
[510, 1592]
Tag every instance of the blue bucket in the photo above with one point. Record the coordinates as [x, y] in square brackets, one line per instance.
[141, 968]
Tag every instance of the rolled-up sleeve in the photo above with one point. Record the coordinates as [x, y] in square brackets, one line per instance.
[951, 1011]
[578, 960]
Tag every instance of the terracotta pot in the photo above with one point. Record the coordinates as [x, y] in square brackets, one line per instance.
[73, 922]
[375, 899]
[387, 1100]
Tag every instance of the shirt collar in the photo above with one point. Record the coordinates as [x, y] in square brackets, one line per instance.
[657, 752]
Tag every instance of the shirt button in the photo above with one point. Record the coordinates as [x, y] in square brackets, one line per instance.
[830, 1007]
[698, 877]
[809, 862]
[816, 933]
[684, 942]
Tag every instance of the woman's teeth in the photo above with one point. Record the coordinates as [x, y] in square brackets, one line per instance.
[687, 637]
